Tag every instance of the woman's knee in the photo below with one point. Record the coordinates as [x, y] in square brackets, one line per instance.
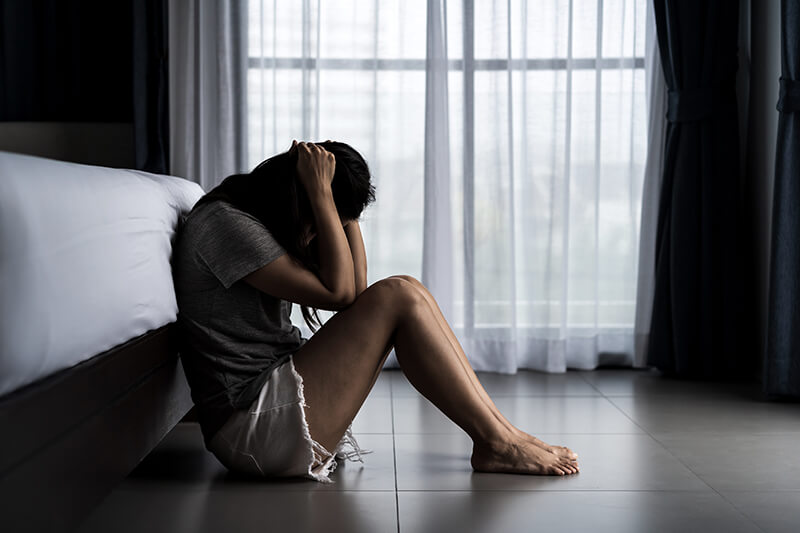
[399, 293]
[410, 279]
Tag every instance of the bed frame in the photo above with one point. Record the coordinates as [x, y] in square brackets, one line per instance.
[69, 439]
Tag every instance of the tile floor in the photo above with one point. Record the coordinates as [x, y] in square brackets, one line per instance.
[656, 455]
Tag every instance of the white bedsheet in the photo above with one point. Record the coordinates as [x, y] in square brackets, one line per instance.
[84, 261]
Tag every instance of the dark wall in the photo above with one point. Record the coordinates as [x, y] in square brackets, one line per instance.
[90, 62]
[66, 60]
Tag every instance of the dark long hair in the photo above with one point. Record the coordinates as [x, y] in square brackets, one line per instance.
[272, 193]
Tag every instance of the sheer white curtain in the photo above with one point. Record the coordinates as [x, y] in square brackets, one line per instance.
[656, 137]
[207, 89]
[507, 140]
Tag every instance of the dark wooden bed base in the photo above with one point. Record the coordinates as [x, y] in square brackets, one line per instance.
[68, 439]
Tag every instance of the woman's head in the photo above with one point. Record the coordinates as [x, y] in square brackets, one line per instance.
[272, 193]
[351, 185]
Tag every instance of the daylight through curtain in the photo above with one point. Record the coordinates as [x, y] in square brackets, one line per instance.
[508, 142]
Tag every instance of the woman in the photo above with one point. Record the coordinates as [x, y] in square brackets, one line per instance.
[272, 403]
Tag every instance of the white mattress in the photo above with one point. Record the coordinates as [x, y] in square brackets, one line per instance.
[84, 261]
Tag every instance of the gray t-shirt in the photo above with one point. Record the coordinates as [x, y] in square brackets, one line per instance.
[232, 335]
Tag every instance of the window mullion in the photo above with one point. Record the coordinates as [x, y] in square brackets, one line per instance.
[598, 139]
[469, 165]
[305, 46]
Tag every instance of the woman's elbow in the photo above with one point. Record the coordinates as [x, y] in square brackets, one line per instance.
[361, 286]
[343, 299]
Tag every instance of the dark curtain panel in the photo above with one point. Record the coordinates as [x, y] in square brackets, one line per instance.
[88, 61]
[150, 94]
[696, 325]
[65, 61]
[782, 376]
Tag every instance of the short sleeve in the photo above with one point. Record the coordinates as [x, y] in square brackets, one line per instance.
[236, 244]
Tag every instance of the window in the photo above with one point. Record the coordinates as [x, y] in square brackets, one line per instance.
[555, 132]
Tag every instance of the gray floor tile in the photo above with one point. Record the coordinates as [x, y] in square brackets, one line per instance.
[702, 436]
[608, 462]
[774, 512]
[171, 510]
[557, 414]
[375, 474]
[678, 414]
[629, 382]
[375, 416]
[523, 383]
[383, 385]
[738, 461]
[598, 512]
[181, 460]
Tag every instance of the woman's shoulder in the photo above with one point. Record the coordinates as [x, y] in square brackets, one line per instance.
[223, 219]
[205, 211]
[205, 208]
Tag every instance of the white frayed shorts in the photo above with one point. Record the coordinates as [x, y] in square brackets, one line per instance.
[271, 437]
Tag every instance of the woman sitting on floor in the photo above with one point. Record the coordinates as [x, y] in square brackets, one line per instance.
[272, 403]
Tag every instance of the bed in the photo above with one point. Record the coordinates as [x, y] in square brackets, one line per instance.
[90, 379]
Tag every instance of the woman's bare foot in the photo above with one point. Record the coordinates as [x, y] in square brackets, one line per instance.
[520, 456]
[561, 451]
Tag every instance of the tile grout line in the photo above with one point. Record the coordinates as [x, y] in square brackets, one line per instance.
[623, 413]
[706, 483]
[592, 385]
[561, 491]
[718, 493]
[394, 454]
[610, 398]
[634, 397]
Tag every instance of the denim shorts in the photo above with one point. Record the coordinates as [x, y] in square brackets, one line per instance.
[271, 437]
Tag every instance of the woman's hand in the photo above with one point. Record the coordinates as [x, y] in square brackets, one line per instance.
[315, 167]
[315, 170]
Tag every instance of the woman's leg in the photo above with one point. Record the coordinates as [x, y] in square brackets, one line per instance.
[339, 365]
[562, 450]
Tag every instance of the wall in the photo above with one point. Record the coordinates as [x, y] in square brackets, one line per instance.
[108, 144]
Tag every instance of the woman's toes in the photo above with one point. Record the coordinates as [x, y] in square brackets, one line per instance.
[569, 452]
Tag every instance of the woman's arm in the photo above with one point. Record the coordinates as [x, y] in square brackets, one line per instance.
[356, 242]
[336, 267]
[283, 278]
